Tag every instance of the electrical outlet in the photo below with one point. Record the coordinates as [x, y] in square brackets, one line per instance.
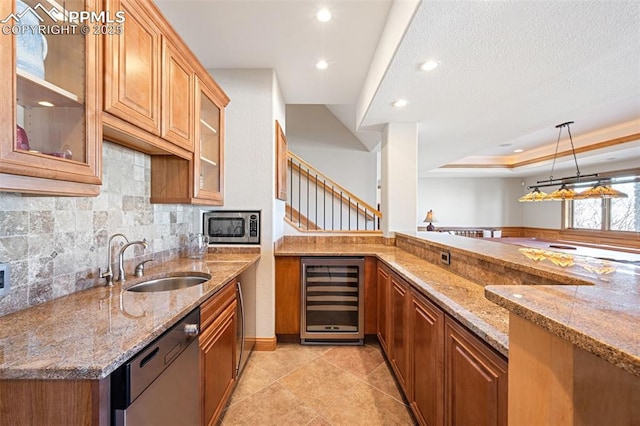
[4, 278]
[445, 257]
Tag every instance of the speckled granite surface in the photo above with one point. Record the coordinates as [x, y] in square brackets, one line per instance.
[595, 304]
[88, 334]
[462, 299]
[602, 317]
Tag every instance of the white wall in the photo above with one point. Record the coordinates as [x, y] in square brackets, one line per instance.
[473, 202]
[492, 202]
[250, 169]
[320, 139]
[354, 170]
[399, 177]
[279, 113]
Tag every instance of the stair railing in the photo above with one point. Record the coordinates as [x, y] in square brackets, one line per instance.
[316, 202]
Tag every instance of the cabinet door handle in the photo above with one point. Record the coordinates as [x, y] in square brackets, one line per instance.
[239, 363]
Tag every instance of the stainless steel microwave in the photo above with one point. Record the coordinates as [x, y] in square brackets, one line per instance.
[232, 226]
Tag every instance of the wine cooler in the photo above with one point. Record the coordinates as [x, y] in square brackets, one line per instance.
[332, 300]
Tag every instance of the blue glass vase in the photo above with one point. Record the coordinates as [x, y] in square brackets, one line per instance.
[31, 46]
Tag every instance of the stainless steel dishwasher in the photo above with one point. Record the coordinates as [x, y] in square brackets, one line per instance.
[161, 384]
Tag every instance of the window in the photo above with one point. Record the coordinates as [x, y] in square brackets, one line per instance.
[617, 214]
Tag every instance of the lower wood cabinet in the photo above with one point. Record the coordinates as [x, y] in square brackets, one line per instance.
[426, 324]
[399, 336]
[448, 374]
[288, 295]
[475, 380]
[217, 352]
[384, 284]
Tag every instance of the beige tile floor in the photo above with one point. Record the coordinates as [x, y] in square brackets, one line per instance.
[317, 385]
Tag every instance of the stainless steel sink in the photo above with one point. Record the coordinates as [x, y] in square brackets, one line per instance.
[174, 282]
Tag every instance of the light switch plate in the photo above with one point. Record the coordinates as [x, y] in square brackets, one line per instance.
[5, 271]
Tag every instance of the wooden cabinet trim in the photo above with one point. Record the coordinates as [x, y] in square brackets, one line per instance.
[399, 331]
[212, 307]
[288, 294]
[35, 173]
[217, 363]
[137, 102]
[281, 163]
[55, 402]
[370, 295]
[426, 393]
[383, 282]
[178, 122]
[490, 369]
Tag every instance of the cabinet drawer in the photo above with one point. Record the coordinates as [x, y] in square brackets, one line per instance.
[214, 306]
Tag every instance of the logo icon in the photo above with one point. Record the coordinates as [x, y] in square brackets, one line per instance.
[52, 13]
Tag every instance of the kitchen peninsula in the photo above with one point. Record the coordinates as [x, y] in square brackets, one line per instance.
[586, 308]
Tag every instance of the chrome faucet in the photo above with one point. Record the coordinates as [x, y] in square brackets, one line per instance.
[121, 274]
[108, 274]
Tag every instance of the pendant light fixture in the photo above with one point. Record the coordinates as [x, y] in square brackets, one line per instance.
[601, 189]
[535, 195]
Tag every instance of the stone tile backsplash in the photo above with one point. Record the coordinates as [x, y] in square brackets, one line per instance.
[55, 245]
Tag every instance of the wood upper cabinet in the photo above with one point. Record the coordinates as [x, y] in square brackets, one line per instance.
[200, 178]
[426, 324]
[399, 337]
[178, 89]
[50, 111]
[132, 68]
[208, 171]
[281, 163]
[475, 380]
[218, 352]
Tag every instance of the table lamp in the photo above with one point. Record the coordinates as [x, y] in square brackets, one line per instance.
[429, 219]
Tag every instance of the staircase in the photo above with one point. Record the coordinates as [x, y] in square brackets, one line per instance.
[317, 203]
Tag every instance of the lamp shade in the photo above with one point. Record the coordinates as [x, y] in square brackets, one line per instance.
[602, 191]
[429, 217]
[535, 195]
[562, 193]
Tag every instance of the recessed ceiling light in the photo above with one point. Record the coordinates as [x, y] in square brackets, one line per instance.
[429, 65]
[323, 15]
[322, 65]
[45, 103]
[519, 150]
[400, 103]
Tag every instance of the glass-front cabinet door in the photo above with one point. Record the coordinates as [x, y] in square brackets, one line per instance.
[209, 147]
[51, 131]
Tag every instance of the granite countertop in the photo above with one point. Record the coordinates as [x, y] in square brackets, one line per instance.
[87, 335]
[603, 320]
[601, 314]
[462, 299]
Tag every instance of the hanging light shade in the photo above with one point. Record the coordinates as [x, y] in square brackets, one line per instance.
[562, 193]
[535, 195]
[601, 191]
